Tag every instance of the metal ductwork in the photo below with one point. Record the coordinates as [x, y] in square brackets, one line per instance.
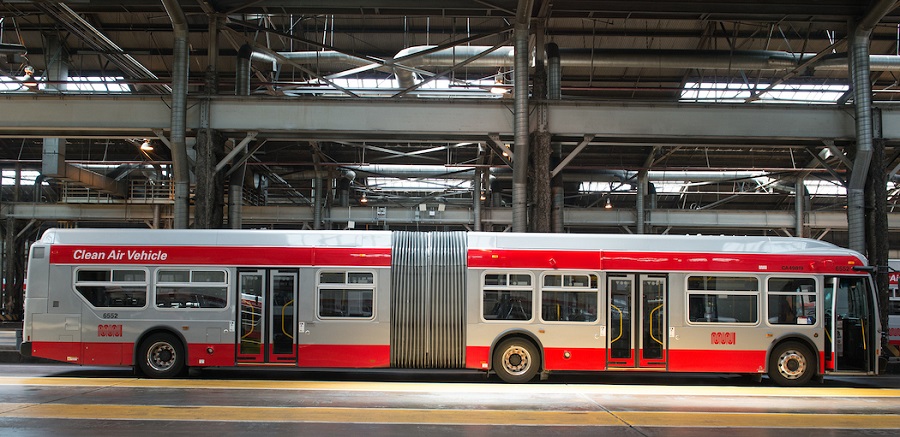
[242, 71]
[862, 99]
[521, 129]
[180, 164]
[236, 180]
[840, 62]
[681, 59]
[12, 49]
[94, 38]
[53, 161]
[554, 72]
[502, 57]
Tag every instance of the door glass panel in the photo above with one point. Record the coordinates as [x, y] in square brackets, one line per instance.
[251, 315]
[620, 343]
[653, 312]
[283, 326]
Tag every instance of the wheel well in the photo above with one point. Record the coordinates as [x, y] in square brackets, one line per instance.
[158, 330]
[525, 335]
[799, 339]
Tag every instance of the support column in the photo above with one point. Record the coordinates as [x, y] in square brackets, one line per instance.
[209, 201]
[640, 198]
[11, 298]
[539, 178]
[799, 208]
[877, 247]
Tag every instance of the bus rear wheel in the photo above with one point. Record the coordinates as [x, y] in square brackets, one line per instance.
[161, 356]
[516, 360]
[791, 364]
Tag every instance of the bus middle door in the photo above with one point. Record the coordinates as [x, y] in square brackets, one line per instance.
[637, 321]
[267, 316]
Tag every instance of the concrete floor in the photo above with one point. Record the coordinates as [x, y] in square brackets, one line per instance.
[74, 401]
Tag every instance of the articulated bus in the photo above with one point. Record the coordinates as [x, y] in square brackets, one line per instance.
[517, 305]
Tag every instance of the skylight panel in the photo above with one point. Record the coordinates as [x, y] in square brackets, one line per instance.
[713, 92]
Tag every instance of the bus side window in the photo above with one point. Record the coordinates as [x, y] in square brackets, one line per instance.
[791, 301]
[507, 296]
[112, 288]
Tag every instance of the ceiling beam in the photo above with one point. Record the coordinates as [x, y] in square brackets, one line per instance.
[427, 120]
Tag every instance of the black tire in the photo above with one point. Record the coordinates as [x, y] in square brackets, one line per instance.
[161, 356]
[791, 364]
[516, 360]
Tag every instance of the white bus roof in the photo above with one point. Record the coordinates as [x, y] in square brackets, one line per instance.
[476, 240]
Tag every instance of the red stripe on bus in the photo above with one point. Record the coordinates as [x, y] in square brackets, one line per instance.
[736, 361]
[107, 354]
[478, 357]
[541, 259]
[574, 358]
[210, 354]
[64, 351]
[660, 261]
[344, 356]
[219, 255]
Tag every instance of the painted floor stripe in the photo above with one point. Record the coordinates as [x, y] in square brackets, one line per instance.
[655, 390]
[448, 417]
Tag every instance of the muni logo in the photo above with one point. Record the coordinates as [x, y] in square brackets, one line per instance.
[109, 330]
[723, 338]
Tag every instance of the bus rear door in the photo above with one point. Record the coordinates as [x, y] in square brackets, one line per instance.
[850, 325]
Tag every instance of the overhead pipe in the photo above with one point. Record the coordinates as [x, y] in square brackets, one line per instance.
[554, 92]
[242, 73]
[502, 57]
[12, 49]
[180, 164]
[583, 58]
[862, 99]
[520, 118]
[554, 72]
[236, 180]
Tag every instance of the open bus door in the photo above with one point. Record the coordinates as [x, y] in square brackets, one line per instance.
[267, 316]
[850, 325]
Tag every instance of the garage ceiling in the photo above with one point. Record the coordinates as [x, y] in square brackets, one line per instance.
[611, 53]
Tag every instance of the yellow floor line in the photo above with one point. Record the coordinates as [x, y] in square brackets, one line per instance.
[486, 387]
[447, 417]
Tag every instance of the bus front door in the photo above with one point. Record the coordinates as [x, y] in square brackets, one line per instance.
[637, 321]
[267, 316]
[849, 325]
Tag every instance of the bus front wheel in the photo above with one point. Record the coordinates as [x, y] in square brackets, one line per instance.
[161, 356]
[516, 360]
[791, 364]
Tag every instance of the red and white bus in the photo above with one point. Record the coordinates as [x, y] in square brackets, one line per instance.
[894, 308]
[513, 304]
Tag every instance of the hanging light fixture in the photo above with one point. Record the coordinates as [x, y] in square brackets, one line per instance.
[499, 85]
[146, 146]
[29, 81]
[608, 204]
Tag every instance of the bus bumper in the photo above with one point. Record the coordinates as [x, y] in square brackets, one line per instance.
[25, 349]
